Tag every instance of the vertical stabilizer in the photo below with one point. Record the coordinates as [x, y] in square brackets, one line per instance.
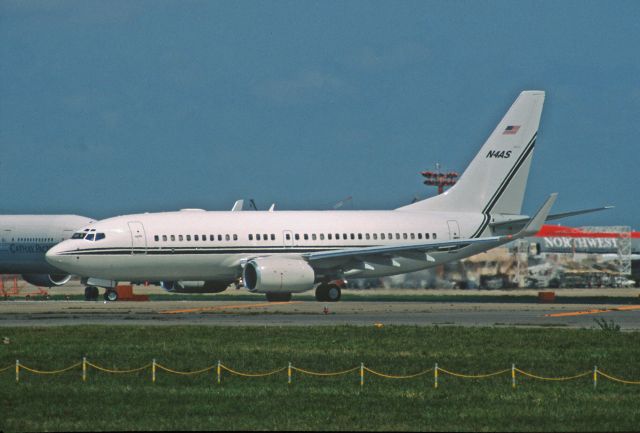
[496, 179]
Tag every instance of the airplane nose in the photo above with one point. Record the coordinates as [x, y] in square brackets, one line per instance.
[53, 255]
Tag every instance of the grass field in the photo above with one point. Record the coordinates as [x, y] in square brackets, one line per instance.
[132, 402]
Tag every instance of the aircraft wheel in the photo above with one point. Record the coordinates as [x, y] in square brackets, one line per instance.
[322, 293]
[110, 295]
[333, 293]
[278, 297]
[91, 293]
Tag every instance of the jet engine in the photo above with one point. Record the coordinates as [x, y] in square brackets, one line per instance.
[278, 275]
[46, 280]
[195, 286]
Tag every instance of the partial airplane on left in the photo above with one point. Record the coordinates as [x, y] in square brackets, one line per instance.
[24, 240]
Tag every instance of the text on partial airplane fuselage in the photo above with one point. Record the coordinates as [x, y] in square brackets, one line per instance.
[29, 248]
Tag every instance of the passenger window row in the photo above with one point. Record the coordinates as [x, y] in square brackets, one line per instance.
[263, 237]
[32, 240]
[297, 236]
[359, 236]
[195, 238]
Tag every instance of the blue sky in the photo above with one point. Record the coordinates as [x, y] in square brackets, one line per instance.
[109, 108]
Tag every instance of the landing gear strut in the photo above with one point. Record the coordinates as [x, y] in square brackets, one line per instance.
[328, 293]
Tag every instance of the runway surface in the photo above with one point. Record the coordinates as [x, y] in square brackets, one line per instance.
[310, 313]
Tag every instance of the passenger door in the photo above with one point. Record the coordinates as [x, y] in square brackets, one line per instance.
[138, 238]
[454, 229]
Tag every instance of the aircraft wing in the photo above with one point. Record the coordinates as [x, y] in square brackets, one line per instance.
[421, 251]
[403, 250]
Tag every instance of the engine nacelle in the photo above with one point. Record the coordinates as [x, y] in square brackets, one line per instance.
[46, 280]
[195, 286]
[278, 275]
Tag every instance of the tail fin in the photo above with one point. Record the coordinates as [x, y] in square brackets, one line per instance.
[496, 179]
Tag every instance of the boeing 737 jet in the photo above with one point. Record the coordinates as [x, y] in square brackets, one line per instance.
[283, 252]
[24, 240]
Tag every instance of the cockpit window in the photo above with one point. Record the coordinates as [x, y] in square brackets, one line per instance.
[89, 236]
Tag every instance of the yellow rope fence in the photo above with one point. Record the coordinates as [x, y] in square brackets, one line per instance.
[474, 376]
[533, 376]
[318, 373]
[393, 376]
[238, 373]
[107, 370]
[84, 364]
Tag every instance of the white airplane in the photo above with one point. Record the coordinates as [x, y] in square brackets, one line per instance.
[283, 252]
[24, 240]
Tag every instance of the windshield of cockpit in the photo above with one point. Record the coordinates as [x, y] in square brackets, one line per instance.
[88, 235]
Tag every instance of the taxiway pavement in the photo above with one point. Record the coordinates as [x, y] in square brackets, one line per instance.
[310, 313]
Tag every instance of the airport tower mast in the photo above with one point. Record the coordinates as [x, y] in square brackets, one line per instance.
[439, 178]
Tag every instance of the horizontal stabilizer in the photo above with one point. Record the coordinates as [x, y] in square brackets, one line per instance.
[577, 212]
[519, 222]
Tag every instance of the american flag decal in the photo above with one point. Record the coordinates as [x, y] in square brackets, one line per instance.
[511, 130]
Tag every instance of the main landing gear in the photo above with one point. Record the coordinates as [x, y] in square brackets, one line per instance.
[328, 292]
[91, 293]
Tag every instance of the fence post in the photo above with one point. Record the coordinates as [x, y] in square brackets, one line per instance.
[361, 374]
[218, 369]
[17, 371]
[153, 371]
[289, 374]
[435, 376]
[595, 377]
[84, 368]
[513, 376]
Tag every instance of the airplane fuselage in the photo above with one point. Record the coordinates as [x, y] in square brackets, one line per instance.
[199, 245]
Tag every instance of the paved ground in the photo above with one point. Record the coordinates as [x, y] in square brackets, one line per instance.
[260, 313]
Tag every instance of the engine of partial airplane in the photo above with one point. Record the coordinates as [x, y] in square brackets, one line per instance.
[46, 280]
